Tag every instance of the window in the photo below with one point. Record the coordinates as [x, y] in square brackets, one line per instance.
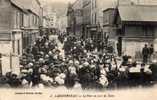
[17, 19]
[21, 19]
[32, 17]
[148, 30]
[18, 47]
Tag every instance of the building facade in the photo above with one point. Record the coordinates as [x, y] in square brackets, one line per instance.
[11, 35]
[136, 28]
[93, 17]
[130, 27]
[87, 11]
[70, 21]
[109, 27]
[75, 18]
[32, 21]
[62, 24]
[86, 17]
[15, 24]
[78, 21]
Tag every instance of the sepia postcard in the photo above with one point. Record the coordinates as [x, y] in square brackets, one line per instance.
[78, 49]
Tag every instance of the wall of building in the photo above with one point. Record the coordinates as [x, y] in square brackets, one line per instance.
[135, 37]
[77, 7]
[101, 5]
[62, 23]
[134, 46]
[10, 61]
[109, 16]
[51, 19]
[15, 22]
[108, 23]
[11, 36]
[139, 30]
[26, 20]
[70, 19]
[78, 18]
[87, 11]
[5, 15]
[12, 21]
[45, 22]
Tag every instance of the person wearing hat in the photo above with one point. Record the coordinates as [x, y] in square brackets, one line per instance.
[70, 75]
[103, 81]
[77, 84]
[60, 79]
[153, 68]
[24, 83]
[145, 54]
[27, 74]
[14, 81]
[36, 74]
[85, 76]
[77, 64]
[70, 79]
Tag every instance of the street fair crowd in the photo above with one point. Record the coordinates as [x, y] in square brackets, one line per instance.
[85, 64]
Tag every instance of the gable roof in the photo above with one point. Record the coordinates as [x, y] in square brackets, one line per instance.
[33, 5]
[138, 13]
[17, 3]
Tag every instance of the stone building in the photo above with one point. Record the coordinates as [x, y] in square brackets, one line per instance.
[87, 11]
[109, 26]
[32, 20]
[131, 26]
[18, 20]
[78, 21]
[93, 18]
[62, 24]
[75, 18]
[70, 20]
[137, 25]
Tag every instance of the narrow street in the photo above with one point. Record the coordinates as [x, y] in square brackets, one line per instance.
[82, 44]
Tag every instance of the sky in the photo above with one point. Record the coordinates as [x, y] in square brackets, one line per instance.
[61, 5]
[64, 1]
[107, 1]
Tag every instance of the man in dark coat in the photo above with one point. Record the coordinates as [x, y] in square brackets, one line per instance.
[145, 54]
[153, 68]
[151, 51]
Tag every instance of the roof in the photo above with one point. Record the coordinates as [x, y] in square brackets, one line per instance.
[33, 5]
[139, 13]
[17, 3]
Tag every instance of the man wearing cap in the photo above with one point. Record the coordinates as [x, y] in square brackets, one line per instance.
[145, 54]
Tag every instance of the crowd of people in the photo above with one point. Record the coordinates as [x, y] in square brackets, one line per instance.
[84, 65]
